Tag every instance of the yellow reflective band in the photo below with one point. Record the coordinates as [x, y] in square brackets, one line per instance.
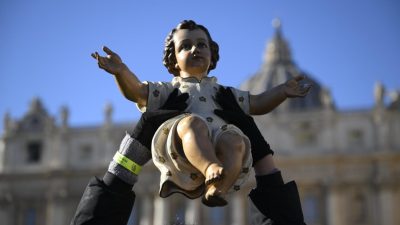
[127, 163]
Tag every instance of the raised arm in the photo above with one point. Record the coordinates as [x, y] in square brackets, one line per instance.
[270, 99]
[129, 85]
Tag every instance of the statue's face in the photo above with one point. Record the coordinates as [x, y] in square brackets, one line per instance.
[192, 52]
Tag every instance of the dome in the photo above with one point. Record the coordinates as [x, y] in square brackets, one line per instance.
[277, 68]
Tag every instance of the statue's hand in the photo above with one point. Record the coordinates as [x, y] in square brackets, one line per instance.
[293, 88]
[111, 63]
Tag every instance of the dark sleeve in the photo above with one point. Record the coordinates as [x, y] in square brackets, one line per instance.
[101, 206]
[281, 205]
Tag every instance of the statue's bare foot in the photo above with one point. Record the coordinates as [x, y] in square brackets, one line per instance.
[214, 173]
[213, 197]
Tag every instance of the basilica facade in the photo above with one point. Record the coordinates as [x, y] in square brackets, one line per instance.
[346, 163]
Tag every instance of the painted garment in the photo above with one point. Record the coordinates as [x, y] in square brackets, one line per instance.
[177, 174]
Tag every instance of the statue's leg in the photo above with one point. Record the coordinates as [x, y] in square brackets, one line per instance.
[230, 151]
[198, 148]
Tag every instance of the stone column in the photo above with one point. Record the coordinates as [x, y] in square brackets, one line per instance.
[161, 211]
[396, 205]
[336, 212]
[6, 213]
[192, 214]
[146, 210]
[238, 209]
[56, 213]
[389, 203]
[56, 209]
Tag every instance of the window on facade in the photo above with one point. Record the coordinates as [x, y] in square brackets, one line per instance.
[86, 152]
[34, 152]
[35, 122]
[355, 137]
[305, 125]
[305, 138]
[305, 134]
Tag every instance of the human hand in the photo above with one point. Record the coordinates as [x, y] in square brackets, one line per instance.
[111, 63]
[232, 113]
[293, 88]
[150, 121]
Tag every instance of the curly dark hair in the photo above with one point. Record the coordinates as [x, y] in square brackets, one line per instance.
[169, 59]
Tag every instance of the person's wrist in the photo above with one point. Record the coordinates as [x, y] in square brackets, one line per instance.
[129, 159]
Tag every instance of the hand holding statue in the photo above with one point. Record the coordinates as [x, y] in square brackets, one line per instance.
[232, 113]
[150, 121]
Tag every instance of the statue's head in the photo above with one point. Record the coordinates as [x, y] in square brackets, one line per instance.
[169, 59]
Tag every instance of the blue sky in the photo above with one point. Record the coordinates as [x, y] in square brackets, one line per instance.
[45, 47]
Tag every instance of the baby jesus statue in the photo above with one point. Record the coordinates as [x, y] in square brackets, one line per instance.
[197, 153]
